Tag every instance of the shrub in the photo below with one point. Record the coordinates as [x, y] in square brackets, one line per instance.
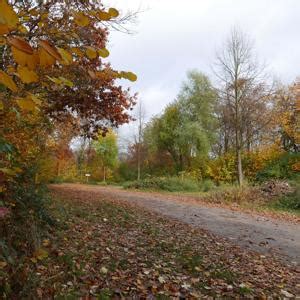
[171, 184]
[281, 168]
[289, 202]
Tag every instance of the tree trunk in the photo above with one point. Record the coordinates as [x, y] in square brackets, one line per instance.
[239, 167]
[104, 174]
[138, 162]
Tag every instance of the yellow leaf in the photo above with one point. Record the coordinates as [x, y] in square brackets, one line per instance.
[44, 16]
[25, 59]
[34, 12]
[66, 56]
[81, 19]
[113, 12]
[1, 105]
[22, 29]
[54, 79]
[26, 75]
[45, 58]
[91, 52]
[7, 81]
[9, 172]
[46, 243]
[104, 16]
[77, 51]
[66, 82]
[103, 52]
[128, 75]
[40, 254]
[3, 264]
[2, 41]
[7, 15]
[35, 99]
[27, 104]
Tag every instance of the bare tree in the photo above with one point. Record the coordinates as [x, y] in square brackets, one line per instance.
[243, 92]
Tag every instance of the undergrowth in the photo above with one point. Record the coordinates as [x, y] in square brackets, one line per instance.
[170, 184]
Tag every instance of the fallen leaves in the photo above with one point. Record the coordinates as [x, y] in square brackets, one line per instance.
[132, 253]
[106, 248]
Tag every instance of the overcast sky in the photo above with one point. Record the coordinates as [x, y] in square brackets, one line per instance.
[174, 36]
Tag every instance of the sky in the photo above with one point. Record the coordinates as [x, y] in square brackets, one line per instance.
[171, 37]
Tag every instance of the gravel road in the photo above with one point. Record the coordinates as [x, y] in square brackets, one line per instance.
[261, 234]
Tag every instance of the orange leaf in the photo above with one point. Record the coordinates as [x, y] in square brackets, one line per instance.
[104, 16]
[20, 44]
[92, 74]
[4, 29]
[45, 58]
[50, 49]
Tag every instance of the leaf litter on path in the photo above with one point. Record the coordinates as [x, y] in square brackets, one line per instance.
[135, 254]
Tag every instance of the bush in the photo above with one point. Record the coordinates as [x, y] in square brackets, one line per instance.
[281, 168]
[289, 202]
[22, 229]
[171, 184]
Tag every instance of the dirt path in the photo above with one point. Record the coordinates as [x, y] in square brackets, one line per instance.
[265, 235]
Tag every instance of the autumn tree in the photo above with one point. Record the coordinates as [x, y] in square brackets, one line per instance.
[106, 149]
[244, 95]
[53, 68]
[286, 121]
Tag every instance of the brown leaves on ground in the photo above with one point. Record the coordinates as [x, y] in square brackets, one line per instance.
[108, 249]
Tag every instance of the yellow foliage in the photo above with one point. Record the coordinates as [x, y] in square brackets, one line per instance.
[24, 59]
[27, 103]
[113, 12]
[66, 56]
[26, 75]
[103, 52]
[77, 51]
[45, 58]
[104, 16]
[7, 15]
[7, 81]
[81, 19]
[91, 52]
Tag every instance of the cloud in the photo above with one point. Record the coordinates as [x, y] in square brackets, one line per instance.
[175, 36]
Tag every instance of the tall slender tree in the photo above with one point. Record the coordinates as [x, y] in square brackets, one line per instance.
[244, 92]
